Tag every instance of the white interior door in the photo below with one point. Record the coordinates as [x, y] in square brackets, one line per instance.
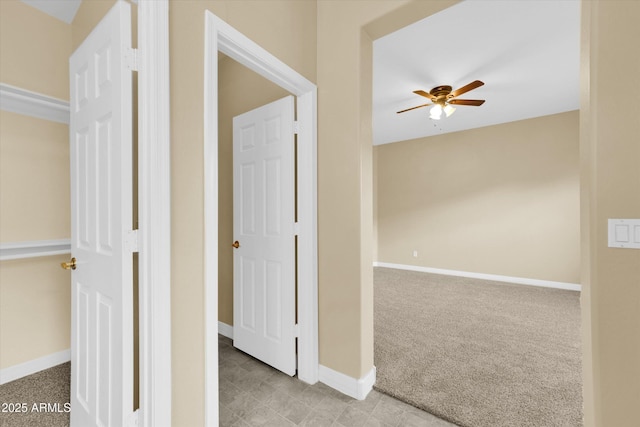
[101, 216]
[264, 262]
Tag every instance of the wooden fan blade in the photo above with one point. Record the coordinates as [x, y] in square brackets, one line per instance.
[464, 89]
[473, 102]
[412, 108]
[425, 94]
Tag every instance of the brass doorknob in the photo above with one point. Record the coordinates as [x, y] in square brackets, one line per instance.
[71, 265]
[236, 244]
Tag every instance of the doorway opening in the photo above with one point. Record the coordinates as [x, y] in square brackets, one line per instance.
[221, 37]
[407, 257]
[256, 274]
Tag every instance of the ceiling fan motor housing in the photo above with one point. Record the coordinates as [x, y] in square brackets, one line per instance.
[441, 92]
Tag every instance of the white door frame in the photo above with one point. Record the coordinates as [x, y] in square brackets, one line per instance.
[154, 215]
[220, 36]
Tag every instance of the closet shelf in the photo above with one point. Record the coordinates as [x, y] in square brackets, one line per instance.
[34, 248]
[22, 101]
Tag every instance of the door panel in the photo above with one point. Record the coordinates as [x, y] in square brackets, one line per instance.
[264, 263]
[101, 212]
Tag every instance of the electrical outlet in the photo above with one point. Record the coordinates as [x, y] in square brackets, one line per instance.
[415, 253]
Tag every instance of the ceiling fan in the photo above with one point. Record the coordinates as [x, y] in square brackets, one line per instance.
[443, 97]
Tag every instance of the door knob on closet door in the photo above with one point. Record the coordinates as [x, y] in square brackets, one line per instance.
[71, 265]
[236, 244]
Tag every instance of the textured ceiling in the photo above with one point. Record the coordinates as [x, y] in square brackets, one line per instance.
[526, 52]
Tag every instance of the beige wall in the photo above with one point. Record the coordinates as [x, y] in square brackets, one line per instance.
[35, 50]
[34, 187]
[34, 179]
[610, 148]
[240, 90]
[497, 200]
[35, 313]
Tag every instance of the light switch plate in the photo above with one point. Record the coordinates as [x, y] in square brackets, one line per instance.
[624, 233]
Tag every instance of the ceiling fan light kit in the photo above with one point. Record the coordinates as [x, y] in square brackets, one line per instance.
[443, 99]
[436, 112]
[449, 110]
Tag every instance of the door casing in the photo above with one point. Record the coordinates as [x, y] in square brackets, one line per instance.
[154, 213]
[220, 36]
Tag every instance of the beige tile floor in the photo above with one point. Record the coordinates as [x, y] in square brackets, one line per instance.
[254, 394]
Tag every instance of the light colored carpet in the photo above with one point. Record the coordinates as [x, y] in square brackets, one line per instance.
[51, 386]
[479, 353]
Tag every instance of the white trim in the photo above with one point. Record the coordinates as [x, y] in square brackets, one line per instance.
[308, 357]
[211, 397]
[356, 388]
[22, 101]
[220, 36]
[154, 202]
[34, 248]
[225, 330]
[32, 366]
[494, 277]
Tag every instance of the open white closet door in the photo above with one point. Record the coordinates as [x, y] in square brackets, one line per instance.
[264, 300]
[101, 217]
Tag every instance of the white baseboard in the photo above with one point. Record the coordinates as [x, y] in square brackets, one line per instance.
[356, 388]
[494, 277]
[225, 330]
[31, 367]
